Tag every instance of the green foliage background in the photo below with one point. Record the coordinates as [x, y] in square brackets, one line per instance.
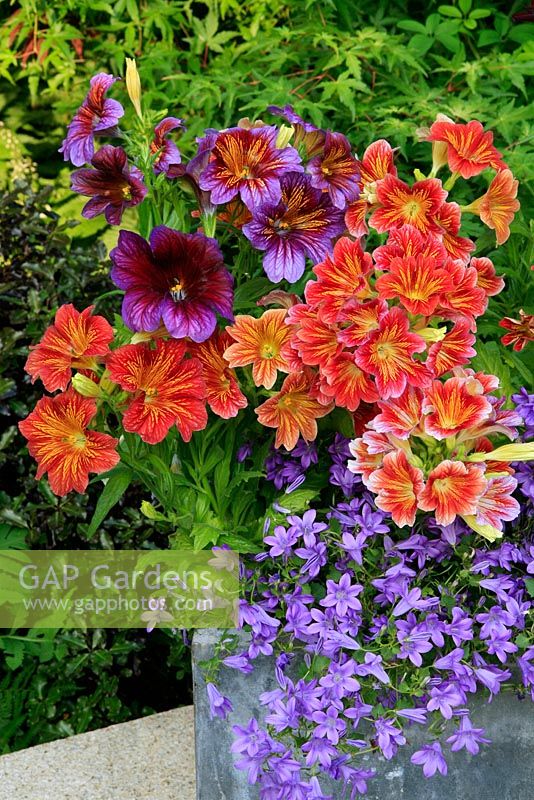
[370, 68]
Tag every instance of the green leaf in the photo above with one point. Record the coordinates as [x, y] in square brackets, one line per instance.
[420, 44]
[488, 37]
[411, 25]
[298, 500]
[117, 483]
[450, 11]
[529, 583]
[465, 6]
[480, 13]
[12, 538]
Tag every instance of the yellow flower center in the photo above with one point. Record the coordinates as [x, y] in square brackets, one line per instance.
[269, 351]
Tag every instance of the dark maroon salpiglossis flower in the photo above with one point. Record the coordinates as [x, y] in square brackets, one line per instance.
[167, 156]
[303, 223]
[112, 184]
[248, 162]
[178, 279]
[97, 114]
[336, 171]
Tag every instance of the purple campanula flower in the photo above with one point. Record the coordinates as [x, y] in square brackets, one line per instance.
[468, 737]
[373, 666]
[319, 750]
[412, 599]
[358, 710]
[298, 617]
[524, 405]
[315, 791]
[336, 171]
[306, 526]
[177, 278]
[491, 677]
[413, 641]
[111, 183]
[306, 452]
[430, 757]
[240, 662]
[444, 698]
[461, 627]
[315, 557]
[97, 114]
[501, 646]
[347, 481]
[339, 679]
[220, 706]
[418, 715]
[499, 585]
[303, 223]
[167, 157]
[388, 737]
[527, 668]
[283, 715]
[244, 452]
[281, 542]
[524, 474]
[342, 595]
[494, 622]
[329, 725]
[248, 162]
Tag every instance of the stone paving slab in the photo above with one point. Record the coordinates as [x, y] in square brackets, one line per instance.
[152, 758]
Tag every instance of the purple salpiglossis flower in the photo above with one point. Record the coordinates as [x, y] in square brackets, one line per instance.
[178, 279]
[281, 542]
[167, 157]
[342, 595]
[444, 698]
[468, 737]
[430, 757]
[329, 725]
[388, 737]
[373, 666]
[112, 184]
[97, 114]
[220, 706]
[336, 171]
[248, 162]
[303, 223]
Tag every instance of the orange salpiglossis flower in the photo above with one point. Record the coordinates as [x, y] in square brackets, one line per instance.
[223, 394]
[470, 149]
[77, 339]
[63, 445]
[407, 241]
[341, 278]
[388, 355]
[417, 282]
[487, 278]
[452, 488]
[397, 485]
[454, 405]
[259, 342]
[316, 342]
[449, 219]
[168, 389]
[466, 300]
[377, 162]
[521, 330]
[497, 207]
[293, 411]
[400, 416]
[401, 204]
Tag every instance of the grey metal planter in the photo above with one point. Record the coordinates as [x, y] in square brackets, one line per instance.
[503, 770]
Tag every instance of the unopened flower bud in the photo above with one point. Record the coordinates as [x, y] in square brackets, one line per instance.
[133, 85]
[85, 386]
[285, 135]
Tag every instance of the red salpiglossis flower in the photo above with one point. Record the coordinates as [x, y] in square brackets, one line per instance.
[75, 340]
[366, 460]
[398, 485]
[497, 505]
[376, 163]
[168, 389]
[449, 219]
[348, 385]
[454, 350]
[335, 170]
[408, 241]
[470, 150]
[293, 411]
[388, 355]
[452, 488]
[364, 318]
[487, 278]
[416, 281]
[401, 204]
[400, 416]
[63, 446]
[454, 406]
[223, 394]
[316, 342]
[521, 330]
[259, 342]
[497, 207]
[340, 278]
[467, 300]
